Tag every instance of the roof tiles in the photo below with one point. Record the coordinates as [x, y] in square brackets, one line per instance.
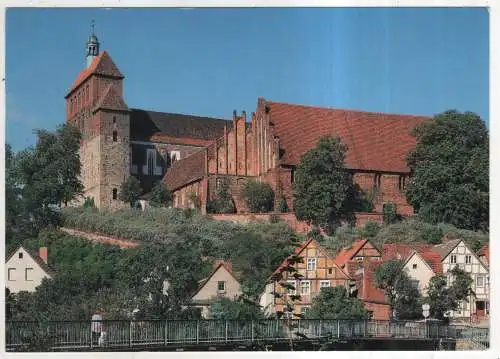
[375, 141]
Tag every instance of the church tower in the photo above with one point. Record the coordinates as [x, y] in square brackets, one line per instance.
[95, 105]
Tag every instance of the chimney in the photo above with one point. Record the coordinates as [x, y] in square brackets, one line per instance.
[43, 253]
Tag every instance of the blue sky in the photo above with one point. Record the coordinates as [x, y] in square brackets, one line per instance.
[211, 61]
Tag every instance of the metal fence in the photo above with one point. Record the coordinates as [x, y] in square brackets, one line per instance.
[75, 335]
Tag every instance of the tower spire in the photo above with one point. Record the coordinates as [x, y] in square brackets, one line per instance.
[92, 46]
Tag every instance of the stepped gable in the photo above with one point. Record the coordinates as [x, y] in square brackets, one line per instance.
[101, 65]
[185, 171]
[375, 141]
[144, 125]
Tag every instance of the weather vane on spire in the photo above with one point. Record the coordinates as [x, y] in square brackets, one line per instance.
[92, 26]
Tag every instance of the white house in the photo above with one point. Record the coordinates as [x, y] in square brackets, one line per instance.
[456, 252]
[25, 270]
[221, 283]
[421, 267]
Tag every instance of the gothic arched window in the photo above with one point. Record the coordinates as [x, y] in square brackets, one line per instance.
[115, 193]
[115, 136]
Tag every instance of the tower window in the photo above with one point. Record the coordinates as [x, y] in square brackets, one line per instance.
[115, 136]
[115, 193]
[114, 119]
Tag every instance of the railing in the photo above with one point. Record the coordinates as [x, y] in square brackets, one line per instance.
[479, 338]
[74, 335]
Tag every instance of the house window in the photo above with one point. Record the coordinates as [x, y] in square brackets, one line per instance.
[28, 274]
[324, 284]
[115, 193]
[291, 291]
[11, 273]
[359, 259]
[414, 266]
[330, 270]
[175, 156]
[305, 287]
[453, 259]
[402, 183]
[376, 181]
[20, 255]
[311, 263]
[115, 136]
[468, 259]
[480, 281]
[114, 119]
[370, 314]
[150, 161]
[221, 286]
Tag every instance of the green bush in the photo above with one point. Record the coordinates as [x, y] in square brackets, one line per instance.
[283, 206]
[390, 213]
[89, 202]
[223, 202]
[259, 197]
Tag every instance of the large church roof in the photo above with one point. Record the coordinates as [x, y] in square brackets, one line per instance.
[147, 124]
[375, 141]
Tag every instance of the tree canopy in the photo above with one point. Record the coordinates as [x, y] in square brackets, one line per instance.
[402, 295]
[40, 179]
[450, 171]
[259, 197]
[160, 195]
[335, 303]
[130, 190]
[324, 191]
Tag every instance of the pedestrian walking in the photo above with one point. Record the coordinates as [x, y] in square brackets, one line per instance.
[97, 326]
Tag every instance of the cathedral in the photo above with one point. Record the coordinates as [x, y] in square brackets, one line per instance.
[193, 154]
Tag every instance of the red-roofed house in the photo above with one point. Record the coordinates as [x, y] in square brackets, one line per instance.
[359, 251]
[318, 270]
[484, 254]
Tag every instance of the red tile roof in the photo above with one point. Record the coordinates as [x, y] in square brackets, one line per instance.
[485, 251]
[403, 251]
[375, 141]
[347, 254]
[185, 171]
[365, 282]
[102, 65]
[434, 261]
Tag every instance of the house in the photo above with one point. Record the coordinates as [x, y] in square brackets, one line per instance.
[374, 299]
[220, 283]
[456, 253]
[318, 270]
[360, 251]
[26, 270]
[484, 254]
[420, 262]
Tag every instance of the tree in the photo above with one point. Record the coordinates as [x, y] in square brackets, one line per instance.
[223, 202]
[130, 190]
[443, 298]
[450, 171]
[239, 309]
[402, 296]
[324, 191]
[160, 196]
[259, 197]
[41, 178]
[335, 303]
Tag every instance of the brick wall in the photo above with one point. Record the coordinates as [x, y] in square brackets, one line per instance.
[380, 311]
[289, 218]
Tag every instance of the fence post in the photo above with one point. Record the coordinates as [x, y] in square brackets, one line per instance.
[91, 338]
[376, 329]
[319, 334]
[197, 331]
[226, 330]
[252, 331]
[130, 334]
[165, 332]
[338, 328]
